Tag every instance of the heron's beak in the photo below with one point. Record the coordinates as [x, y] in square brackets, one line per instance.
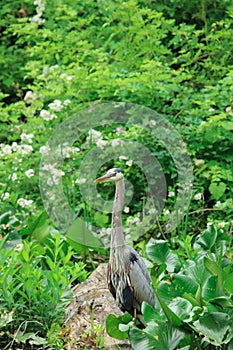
[103, 178]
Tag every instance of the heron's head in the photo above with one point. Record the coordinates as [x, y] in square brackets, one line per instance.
[114, 174]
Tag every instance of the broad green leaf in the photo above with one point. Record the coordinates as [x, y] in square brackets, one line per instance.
[217, 189]
[141, 340]
[213, 326]
[182, 308]
[208, 237]
[210, 289]
[228, 285]
[213, 267]
[167, 338]
[78, 232]
[157, 251]
[171, 316]
[112, 325]
[184, 284]
[222, 301]
[151, 314]
[100, 219]
[38, 228]
[197, 271]
[172, 262]
[227, 125]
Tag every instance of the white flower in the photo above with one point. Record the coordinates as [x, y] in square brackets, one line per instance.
[19, 247]
[15, 147]
[166, 211]
[56, 105]
[26, 137]
[50, 181]
[152, 123]
[14, 177]
[101, 143]
[94, 135]
[30, 173]
[136, 221]
[55, 174]
[222, 224]
[24, 203]
[152, 211]
[5, 196]
[199, 162]
[123, 158]
[37, 19]
[26, 149]
[126, 210]
[129, 162]
[228, 109]
[29, 96]
[6, 149]
[66, 102]
[45, 114]
[211, 110]
[40, 7]
[171, 194]
[218, 204]
[116, 142]
[44, 150]
[209, 224]
[67, 150]
[80, 181]
[198, 196]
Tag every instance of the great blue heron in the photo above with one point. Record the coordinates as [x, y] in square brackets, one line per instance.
[127, 276]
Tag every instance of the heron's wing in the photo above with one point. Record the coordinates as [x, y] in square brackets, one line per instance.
[109, 281]
[133, 255]
[139, 280]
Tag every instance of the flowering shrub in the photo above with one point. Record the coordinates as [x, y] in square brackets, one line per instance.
[60, 58]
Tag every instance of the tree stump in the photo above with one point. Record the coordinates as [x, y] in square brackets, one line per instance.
[91, 304]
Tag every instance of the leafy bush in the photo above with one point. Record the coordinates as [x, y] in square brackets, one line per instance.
[36, 284]
[57, 59]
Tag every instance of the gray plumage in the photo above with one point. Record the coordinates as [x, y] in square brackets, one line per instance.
[127, 275]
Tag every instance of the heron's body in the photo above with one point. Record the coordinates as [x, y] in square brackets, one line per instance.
[127, 276]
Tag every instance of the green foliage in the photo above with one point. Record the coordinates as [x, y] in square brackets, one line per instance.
[56, 59]
[35, 288]
[194, 304]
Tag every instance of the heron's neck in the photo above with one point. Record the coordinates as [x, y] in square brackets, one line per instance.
[117, 238]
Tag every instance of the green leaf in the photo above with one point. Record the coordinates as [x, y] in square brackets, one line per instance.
[171, 316]
[141, 340]
[157, 251]
[217, 189]
[228, 285]
[112, 325]
[79, 233]
[100, 219]
[213, 267]
[182, 308]
[214, 326]
[227, 125]
[167, 338]
[38, 228]
[208, 237]
[151, 314]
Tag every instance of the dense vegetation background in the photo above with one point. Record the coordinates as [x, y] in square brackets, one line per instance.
[60, 57]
